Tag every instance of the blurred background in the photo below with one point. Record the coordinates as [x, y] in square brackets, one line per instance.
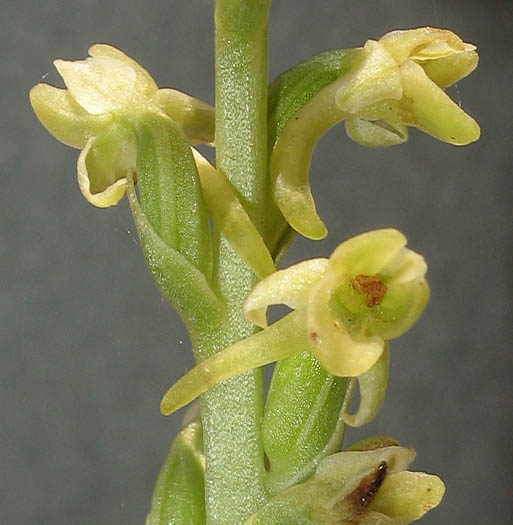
[87, 346]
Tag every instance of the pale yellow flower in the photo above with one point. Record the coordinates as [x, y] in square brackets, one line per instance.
[105, 95]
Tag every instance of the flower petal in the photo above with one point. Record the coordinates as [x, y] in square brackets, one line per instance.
[376, 79]
[103, 164]
[197, 118]
[281, 340]
[444, 72]
[98, 84]
[408, 495]
[373, 387]
[407, 266]
[376, 134]
[367, 253]
[424, 43]
[232, 220]
[144, 83]
[428, 108]
[63, 117]
[290, 286]
[338, 352]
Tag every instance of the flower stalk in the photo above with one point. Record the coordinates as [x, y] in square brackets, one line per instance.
[234, 408]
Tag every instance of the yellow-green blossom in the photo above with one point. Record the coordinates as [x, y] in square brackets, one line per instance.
[386, 86]
[338, 316]
[364, 487]
[400, 83]
[105, 95]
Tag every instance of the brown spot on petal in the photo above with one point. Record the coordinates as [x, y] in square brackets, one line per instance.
[314, 336]
[373, 288]
[364, 493]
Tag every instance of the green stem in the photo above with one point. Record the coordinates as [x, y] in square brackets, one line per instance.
[232, 410]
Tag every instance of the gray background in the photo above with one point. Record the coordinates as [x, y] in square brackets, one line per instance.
[87, 346]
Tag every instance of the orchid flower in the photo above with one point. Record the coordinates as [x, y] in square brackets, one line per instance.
[370, 290]
[383, 87]
[364, 486]
[106, 95]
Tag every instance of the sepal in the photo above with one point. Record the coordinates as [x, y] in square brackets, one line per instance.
[103, 165]
[428, 108]
[373, 388]
[231, 219]
[195, 117]
[64, 118]
[290, 286]
[99, 84]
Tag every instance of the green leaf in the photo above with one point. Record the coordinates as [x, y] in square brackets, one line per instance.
[179, 493]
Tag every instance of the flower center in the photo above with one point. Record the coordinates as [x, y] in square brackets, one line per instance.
[373, 288]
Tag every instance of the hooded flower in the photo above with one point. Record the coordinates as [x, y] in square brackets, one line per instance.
[358, 486]
[382, 89]
[401, 83]
[105, 95]
[370, 290]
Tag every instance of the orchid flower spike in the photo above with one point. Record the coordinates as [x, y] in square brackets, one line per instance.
[383, 87]
[106, 94]
[370, 290]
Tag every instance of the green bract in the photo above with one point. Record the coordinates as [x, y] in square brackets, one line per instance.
[179, 494]
[317, 290]
[105, 95]
[380, 90]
